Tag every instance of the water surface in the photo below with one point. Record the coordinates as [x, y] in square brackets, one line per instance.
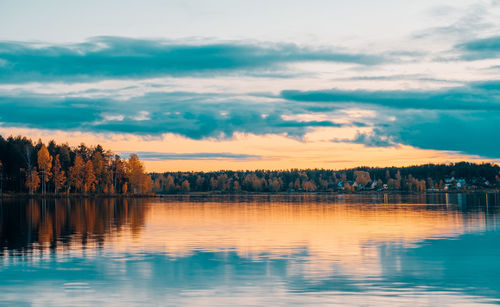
[440, 249]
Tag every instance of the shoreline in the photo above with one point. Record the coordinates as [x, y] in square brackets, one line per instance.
[216, 193]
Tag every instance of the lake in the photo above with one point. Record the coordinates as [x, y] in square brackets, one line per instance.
[434, 249]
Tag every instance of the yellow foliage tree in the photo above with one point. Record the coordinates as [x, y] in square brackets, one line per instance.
[44, 165]
[32, 181]
[309, 186]
[362, 178]
[139, 181]
[58, 175]
[77, 173]
[236, 186]
[89, 177]
[185, 187]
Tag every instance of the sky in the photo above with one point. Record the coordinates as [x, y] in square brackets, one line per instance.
[210, 85]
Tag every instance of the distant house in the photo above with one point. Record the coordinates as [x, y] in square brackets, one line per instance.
[461, 183]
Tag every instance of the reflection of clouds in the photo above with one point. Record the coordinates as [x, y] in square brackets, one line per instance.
[320, 249]
[337, 237]
[205, 279]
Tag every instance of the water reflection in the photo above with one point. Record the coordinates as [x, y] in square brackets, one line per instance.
[27, 225]
[258, 249]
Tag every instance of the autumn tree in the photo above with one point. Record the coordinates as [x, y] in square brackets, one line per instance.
[32, 181]
[323, 184]
[397, 181]
[296, 184]
[139, 181]
[185, 186]
[169, 184]
[362, 178]
[119, 174]
[89, 179]
[146, 183]
[348, 188]
[275, 184]
[236, 186]
[99, 171]
[44, 165]
[77, 173]
[309, 186]
[58, 175]
[421, 185]
[223, 182]
[103, 173]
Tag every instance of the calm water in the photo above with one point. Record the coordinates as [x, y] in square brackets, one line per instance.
[260, 250]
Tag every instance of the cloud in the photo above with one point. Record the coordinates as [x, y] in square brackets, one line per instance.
[474, 96]
[371, 139]
[163, 156]
[48, 112]
[127, 58]
[194, 115]
[467, 132]
[461, 119]
[460, 23]
[471, 133]
[478, 49]
[142, 115]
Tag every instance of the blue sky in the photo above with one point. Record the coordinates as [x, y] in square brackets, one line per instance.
[399, 82]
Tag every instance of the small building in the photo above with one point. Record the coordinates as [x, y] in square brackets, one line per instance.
[461, 183]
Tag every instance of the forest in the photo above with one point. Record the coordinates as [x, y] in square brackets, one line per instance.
[35, 168]
[430, 177]
[28, 167]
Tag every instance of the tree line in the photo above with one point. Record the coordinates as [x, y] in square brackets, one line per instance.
[28, 167]
[413, 178]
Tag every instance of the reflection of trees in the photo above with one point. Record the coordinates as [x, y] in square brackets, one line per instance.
[26, 225]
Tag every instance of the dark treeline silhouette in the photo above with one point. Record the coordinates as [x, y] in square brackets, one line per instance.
[458, 176]
[28, 167]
